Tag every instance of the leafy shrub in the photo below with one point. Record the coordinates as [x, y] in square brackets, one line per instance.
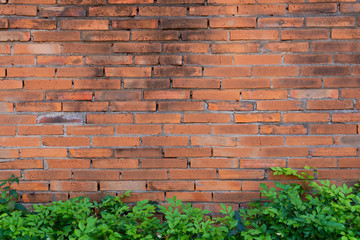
[81, 219]
[304, 211]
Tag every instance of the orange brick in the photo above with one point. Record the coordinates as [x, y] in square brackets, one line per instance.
[56, 36]
[84, 24]
[345, 34]
[47, 174]
[190, 83]
[37, 107]
[177, 71]
[190, 196]
[264, 94]
[109, 118]
[128, 72]
[86, 48]
[306, 117]
[143, 174]
[209, 35]
[17, 60]
[212, 10]
[37, 48]
[241, 174]
[274, 129]
[287, 47]
[154, 35]
[31, 72]
[138, 129]
[164, 163]
[33, 24]
[325, 70]
[207, 60]
[313, 162]
[43, 152]
[279, 105]
[262, 163]
[43, 197]
[307, 34]
[235, 129]
[96, 175]
[333, 151]
[186, 47]
[329, 104]
[85, 106]
[313, 8]
[60, 60]
[213, 141]
[20, 142]
[348, 162]
[236, 48]
[333, 129]
[138, 152]
[187, 23]
[165, 141]
[336, 47]
[137, 47]
[32, 186]
[280, 22]
[309, 140]
[64, 11]
[11, 130]
[136, 24]
[330, 21]
[275, 71]
[187, 152]
[117, 11]
[18, 10]
[227, 71]
[9, 153]
[166, 94]
[97, 84]
[181, 106]
[6, 107]
[78, 186]
[349, 7]
[82, 2]
[256, 141]
[79, 96]
[187, 129]
[218, 185]
[340, 174]
[123, 185]
[17, 119]
[297, 83]
[230, 106]
[152, 196]
[162, 11]
[90, 130]
[40, 130]
[206, 117]
[108, 60]
[170, 186]
[236, 197]
[115, 141]
[236, 152]
[307, 59]
[257, 117]
[232, 22]
[68, 163]
[66, 141]
[254, 35]
[91, 153]
[314, 93]
[157, 118]
[284, 152]
[214, 163]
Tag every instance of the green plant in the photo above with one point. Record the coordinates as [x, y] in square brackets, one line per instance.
[304, 211]
[9, 196]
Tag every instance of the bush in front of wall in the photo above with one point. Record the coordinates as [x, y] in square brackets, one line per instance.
[307, 210]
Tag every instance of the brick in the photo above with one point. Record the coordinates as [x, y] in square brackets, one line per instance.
[308, 140]
[47, 174]
[314, 162]
[242, 22]
[170, 60]
[139, 152]
[47, 84]
[347, 58]
[230, 106]
[110, 11]
[306, 117]
[329, 104]
[9, 153]
[115, 163]
[68, 163]
[115, 141]
[333, 151]
[143, 174]
[80, 96]
[241, 174]
[307, 34]
[166, 94]
[80, 72]
[138, 129]
[8, 174]
[6, 107]
[61, 118]
[213, 141]
[154, 35]
[43, 152]
[147, 60]
[177, 71]
[123, 185]
[188, 23]
[31, 72]
[307, 59]
[257, 117]
[284, 152]
[227, 72]
[109, 118]
[59, 60]
[254, 35]
[40, 130]
[66, 141]
[349, 7]
[314, 93]
[85, 106]
[162, 11]
[288, 130]
[348, 162]
[218, 185]
[170, 186]
[313, 8]
[236, 152]
[82, 2]
[255, 185]
[345, 34]
[32, 2]
[262, 9]
[32, 186]
[186, 47]
[181, 106]
[54, 36]
[157, 118]
[325, 71]
[43, 197]
[108, 60]
[190, 196]
[287, 47]
[152, 196]
[208, 60]
[235, 129]
[10, 84]
[275, 71]
[37, 107]
[84, 24]
[280, 22]
[347, 140]
[233, 95]
[180, 1]
[235, 48]
[128, 72]
[64, 186]
[236, 197]
[135, 24]
[32, 24]
[214, 163]
[14, 36]
[262, 163]
[187, 129]
[68, 11]
[335, 47]
[11, 130]
[86, 48]
[210, 35]
[279, 105]
[117, 95]
[20, 142]
[244, 83]
[97, 84]
[164, 163]
[4, 23]
[187, 152]
[256, 141]
[212, 10]
[91, 153]
[17, 119]
[190, 83]
[264, 94]
[340, 174]
[18, 10]
[333, 129]
[135, 106]
[96, 175]
[37, 48]
[5, 49]
[330, 21]
[206, 117]
[257, 59]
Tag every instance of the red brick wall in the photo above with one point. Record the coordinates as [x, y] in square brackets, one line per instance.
[191, 98]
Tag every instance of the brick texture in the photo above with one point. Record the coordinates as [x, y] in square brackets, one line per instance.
[195, 99]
